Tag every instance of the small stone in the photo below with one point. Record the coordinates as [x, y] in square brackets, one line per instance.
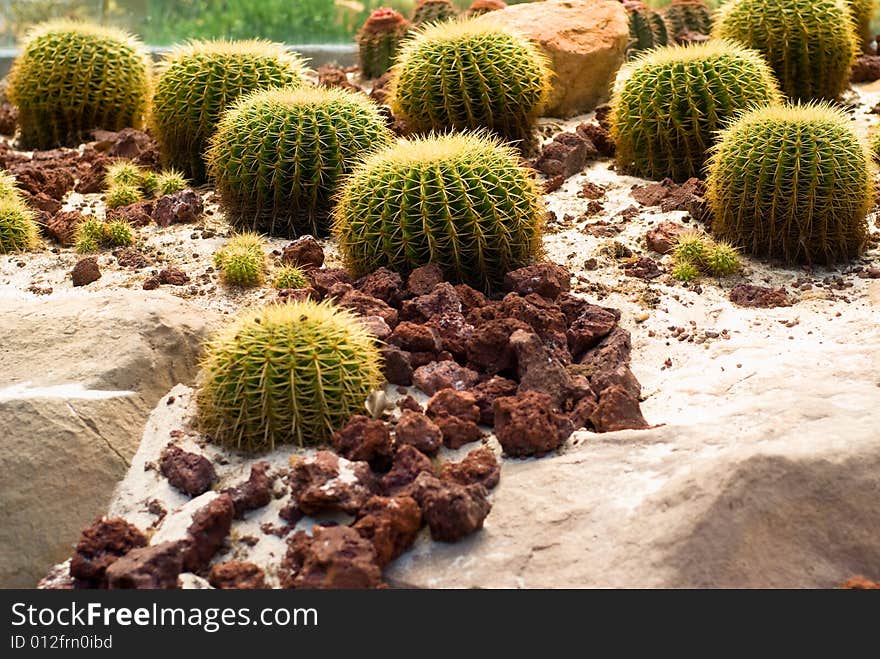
[85, 271]
[190, 473]
[391, 524]
[479, 466]
[546, 279]
[452, 511]
[417, 430]
[333, 557]
[148, 568]
[528, 424]
[305, 252]
[364, 439]
[435, 376]
[237, 575]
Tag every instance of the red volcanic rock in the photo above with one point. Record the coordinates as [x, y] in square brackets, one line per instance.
[190, 473]
[101, 545]
[237, 575]
[417, 430]
[391, 524]
[452, 511]
[333, 557]
[528, 424]
[479, 466]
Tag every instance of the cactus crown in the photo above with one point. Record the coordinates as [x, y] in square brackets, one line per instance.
[809, 44]
[812, 208]
[199, 80]
[278, 155]
[72, 77]
[460, 201]
[384, 19]
[287, 373]
[671, 102]
[469, 74]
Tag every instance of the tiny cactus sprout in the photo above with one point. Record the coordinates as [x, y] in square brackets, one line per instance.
[480, 7]
[123, 194]
[18, 226]
[684, 270]
[461, 201]
[90, 236]
[150, 183]
[73, 77]
[671, 102]
[792, 182]
[691, 247]
[432, 11]
[199, 80]
[169, 181]
[124, 172]
[379, 40]
[470, 74]
[647, 29]
[118, 233]
[7, 186]
[289, 373]
[290, 277]
[721, 259]
[242, 261]
[809, 44]
[278, 155]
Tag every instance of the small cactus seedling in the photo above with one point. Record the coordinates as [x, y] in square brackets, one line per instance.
[432, 11]
[123, 194]
[93, 234]
[379, 40]
[124, 172]
[792, 182]
[688, 16]
[480, 7]
[118, 233]
[149, 183]
[290, 277]
[721, 260]
[289, 373]
[691, 247]
[647, 29]
[809, 44]
[666, 113]
[7, 186]
[278, 155]
[198, 81]
[73, 77]
[685, 271]
[170, 181]
[470, 74]
[461, 201]
[697, 253]
[242, 261]
[18, 226]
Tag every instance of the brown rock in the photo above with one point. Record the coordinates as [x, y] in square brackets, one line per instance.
[130, 144]
[326, 483]
[391, 524]
[544, 317]
[593, 325]
[470, 297]
[546, 279]
[207, 532]
[488, 348]
[611, 352]
[190, 473]
[151, 283]
[565, 155]
[621, 376]
[237, 575]
[486, 392]
[138, 214]
[375, 325]
[396, 366]
[652, 193]
[408, 463]
[749, 295]
[422, 281]
[361, 303]
[363, 439]
[599, 137]
[618, 410]
[92, 178]
[529, 424]
[101, 545]
[129, 257]
[305, 252]
[663, 238]
[479, 466]
[178, 208]
[643, 267]
[452, 511]
[62, 227]
[441, 300]
[303, 294]
[148, 568]
[453, 332]
[384, 285]
[435, 376]
[253, 493]
[456, 414]
[8, 119]
[173, 276]
[334, 557]
[866, 68]
[417, 430]
[540, 371]
[415, 338]
[85, 271]
[325, 278]
[582, 414]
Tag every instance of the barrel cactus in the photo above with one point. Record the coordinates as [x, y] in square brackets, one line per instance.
[242, 261]
[673, 100]
[647, 29]
[290, 276]
[688, 16]
[73, 77]
[480, 7]
[7, 185]
[278, 154]
[287, 373]
[461, 201]
[793, 183]
[809, 44]
[18, 226]
[431, 11]
[199, 80]
[379, 40]
[861, 11]
[470, 73]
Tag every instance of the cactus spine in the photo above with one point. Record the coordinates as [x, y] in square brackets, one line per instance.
[379, 40]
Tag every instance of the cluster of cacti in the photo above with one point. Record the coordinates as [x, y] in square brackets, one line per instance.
[688, 16]
[92, 234]
[672, 102]
[862, 11]
[809, 44]
[199, 80]
[278, 154]
[461, 201]
[128, 183]
[470, 73]
[290, 276]
[242, 261]
[18, 226]
[647, 29]
[792, 182]
[288, 373]
[73, 77]
[432, 11]
[480, 7]
[697, 253]
[379, 40]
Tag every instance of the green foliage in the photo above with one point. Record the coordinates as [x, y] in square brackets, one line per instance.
[288, 373]
[199, 80]
[792, 182]
[809, 44]
[73, 77]
[673, 100]
[697, 253]
[647, 29]
[461, 201]
[242, 261]
[278, 155]
[432, 11]
[691, 15]
[685, 271]
[122, 194]
[469, 74]
[379, 40]
[18, 226]
[290, 277]
[170, 181]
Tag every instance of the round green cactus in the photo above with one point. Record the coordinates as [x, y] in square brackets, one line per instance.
[242, 261]
[379, 40]
[647, 29]
[862, 11]
[288, 373]
[432, 11]
[685, 271]
[199, 80]
[809, 44]
[123, 194]
[124, 172]
[278, 154]
[170, 181]
[461, 201]
[290, 276]
[18, 226]
[7, 186]
[672, 101]
[73, 77]
[118, 233]
[792, 182]
[721, 260]
[469, 74]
